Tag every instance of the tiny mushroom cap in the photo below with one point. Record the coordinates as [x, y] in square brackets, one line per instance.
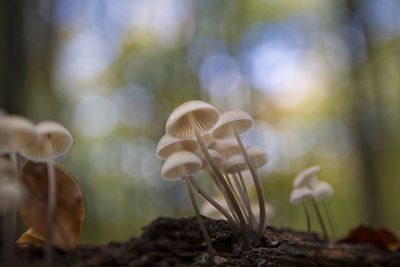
[205, 116]
[257, 155]
[216, 157]
[52, 133]
[235, 118]
[227, 147]
[299, 194]
[322, 190]
[235, 163]
[307, 177]
[11, 193]
[179, 165]
[168, 144]
[269, 210]
[21, 133]
[7, 168]
[210, 211]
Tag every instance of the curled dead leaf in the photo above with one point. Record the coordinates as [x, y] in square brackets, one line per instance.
[381, 238]
[69, 208]
[30, 236]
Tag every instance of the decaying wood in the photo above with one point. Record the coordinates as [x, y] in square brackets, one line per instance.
[178, 242]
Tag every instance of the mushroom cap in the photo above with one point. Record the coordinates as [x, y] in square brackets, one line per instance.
[168, 144]
[7, 168]
[299, 194]
[269, 210]
[205, 115]
[180, 164]
[257, 155]
[227, 147]
[21, 133]
[210, 211]
[215, 156]
[322, 190]
[49, 132]
[307, 177]
[235, 118]
[11, 193]
[235, 163]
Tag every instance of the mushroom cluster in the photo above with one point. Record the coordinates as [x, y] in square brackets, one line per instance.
[20, 138]
[306, 186]
[198, 137]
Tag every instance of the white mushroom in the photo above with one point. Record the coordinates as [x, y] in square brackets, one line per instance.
[54, 141]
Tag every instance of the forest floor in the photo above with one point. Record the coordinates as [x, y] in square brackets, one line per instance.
[178, 242]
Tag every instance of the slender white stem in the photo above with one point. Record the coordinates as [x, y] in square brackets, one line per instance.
[307, 217]
[227, 199]
[245, 196]
[51, 199]
[321, 222]
[218, 174]
[237, 197]
[331, 220]
[200, 220]
[257, 183]
[211, 200]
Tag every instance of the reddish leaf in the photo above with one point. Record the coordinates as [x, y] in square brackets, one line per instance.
[380, 238]
[69, 209]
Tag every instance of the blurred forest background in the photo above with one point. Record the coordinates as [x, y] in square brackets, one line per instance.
[321, 78]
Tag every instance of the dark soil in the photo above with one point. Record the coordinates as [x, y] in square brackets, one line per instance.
[178, 242]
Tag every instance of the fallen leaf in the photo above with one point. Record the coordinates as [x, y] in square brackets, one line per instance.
[30, 236]
[69, 207]
[381, 238]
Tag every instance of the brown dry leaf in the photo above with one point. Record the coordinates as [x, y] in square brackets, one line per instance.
[69, 209]
[381, 238]
[30, 236]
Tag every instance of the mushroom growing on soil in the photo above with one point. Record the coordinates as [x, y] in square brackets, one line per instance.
[299, 195]
[194, 119]
[308, 179]
[54, 141]
[181, 165]
[232, 123]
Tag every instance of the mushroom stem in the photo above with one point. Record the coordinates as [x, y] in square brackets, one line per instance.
[307, 217]
[51, 198]
[8, 252]
[321, 222]
[256, 179]
[330, 218]
[227, 199]
[218, 173]
[200, 221]
[246, 195]
[211, 200]
[238, 197]
[244, 198]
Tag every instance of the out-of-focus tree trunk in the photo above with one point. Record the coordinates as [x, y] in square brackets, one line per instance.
[13, 55]
[365, 97]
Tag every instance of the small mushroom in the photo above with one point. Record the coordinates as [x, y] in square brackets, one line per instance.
[54, 141]
[307, 177]
[194, 119]
[232, 123]
[299, 195]
[168, 144]
[16, 133]
[181, 165]
[321, 191]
